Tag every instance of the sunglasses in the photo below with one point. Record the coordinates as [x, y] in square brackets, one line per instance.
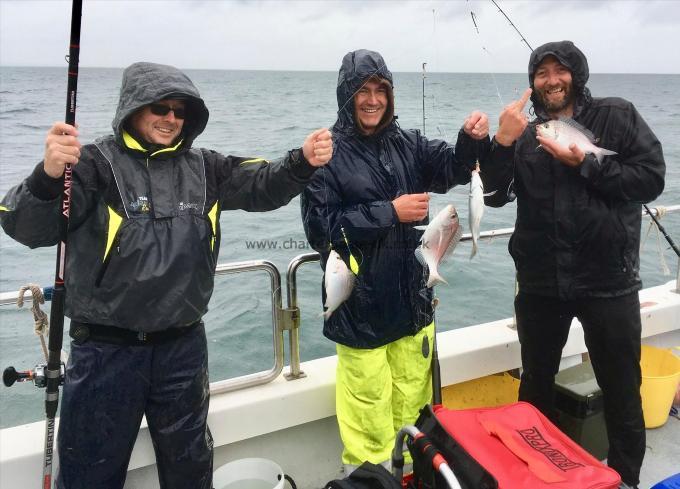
[160, 109]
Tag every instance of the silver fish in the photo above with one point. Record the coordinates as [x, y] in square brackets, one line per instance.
[475, 208]
[338, 281]
[439, 240]
[566, 131]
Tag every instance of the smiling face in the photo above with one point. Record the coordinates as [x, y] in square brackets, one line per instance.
[553, 85]
[370, 105]
[159, 129]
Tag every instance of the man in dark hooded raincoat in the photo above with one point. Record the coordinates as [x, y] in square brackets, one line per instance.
[143, 241]
[577, 239]
[364, 205]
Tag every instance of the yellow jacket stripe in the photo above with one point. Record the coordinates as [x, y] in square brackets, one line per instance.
[254, 160]
[114, 224]
[212, 215]
[132, 143]
[353, 263]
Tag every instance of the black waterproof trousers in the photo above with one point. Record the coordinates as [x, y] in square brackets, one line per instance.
[109, 388]
[612, 331]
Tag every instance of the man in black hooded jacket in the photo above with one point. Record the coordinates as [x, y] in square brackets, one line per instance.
[577, 238]
[143, 242]
[364, 205]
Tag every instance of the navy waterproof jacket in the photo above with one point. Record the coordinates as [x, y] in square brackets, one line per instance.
[578, 229]
[354, 194]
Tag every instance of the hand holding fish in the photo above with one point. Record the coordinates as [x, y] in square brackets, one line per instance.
[568, 141]
[571, 156]
[61, 147]
[318, 147]
[476, 125]
[411, 207]
[513, 120]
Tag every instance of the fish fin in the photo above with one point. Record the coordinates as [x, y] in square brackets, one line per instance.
[586, 132]
[474, 250]
[326, 314]
[419, 256]
[600, 153]
[435, 279]
[454, 242]
[420, 228]
[489, 194]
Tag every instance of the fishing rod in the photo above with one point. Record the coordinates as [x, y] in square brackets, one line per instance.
[54, 365]
[424, 98]
[436, 369]
[662, 229]
[513, 25]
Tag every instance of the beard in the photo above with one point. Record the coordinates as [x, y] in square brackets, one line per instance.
[556, 105]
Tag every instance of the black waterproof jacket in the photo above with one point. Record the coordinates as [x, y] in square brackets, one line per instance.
[354, 193]
[577, 232]
[144, 231]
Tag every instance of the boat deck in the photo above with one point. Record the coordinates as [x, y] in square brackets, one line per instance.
[662, 458]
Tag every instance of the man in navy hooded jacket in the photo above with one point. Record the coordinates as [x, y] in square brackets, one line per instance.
[577, 239]
[143, 242]
[365, 204]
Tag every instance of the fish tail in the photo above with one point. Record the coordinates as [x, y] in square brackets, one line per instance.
[435, 279]
[474, 249]
[600, 153]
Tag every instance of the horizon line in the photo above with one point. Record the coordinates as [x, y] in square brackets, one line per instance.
[335, 71]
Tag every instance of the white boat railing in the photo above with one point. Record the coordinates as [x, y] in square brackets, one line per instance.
[288, 319]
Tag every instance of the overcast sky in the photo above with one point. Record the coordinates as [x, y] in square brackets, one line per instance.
[618, 36]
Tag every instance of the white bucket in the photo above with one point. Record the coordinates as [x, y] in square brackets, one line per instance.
[249, 473]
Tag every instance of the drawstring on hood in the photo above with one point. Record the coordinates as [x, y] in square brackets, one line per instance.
[574, 60]
[356, 69]
[145, 83]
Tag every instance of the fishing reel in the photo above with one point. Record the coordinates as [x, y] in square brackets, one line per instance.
[37, 375]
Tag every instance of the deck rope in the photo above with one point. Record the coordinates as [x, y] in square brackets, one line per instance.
[41, 326]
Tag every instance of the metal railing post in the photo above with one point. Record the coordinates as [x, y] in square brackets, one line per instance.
[258, 378]
[294, 332]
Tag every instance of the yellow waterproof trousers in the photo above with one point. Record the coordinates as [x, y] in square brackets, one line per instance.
[380, 390]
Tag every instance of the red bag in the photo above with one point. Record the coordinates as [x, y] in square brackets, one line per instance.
[518, 446]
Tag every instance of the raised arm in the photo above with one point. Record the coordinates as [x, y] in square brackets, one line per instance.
[29, 212]
[255, 184]
[445, 165]
[497, 168]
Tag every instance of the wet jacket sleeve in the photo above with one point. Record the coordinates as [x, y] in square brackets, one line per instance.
[30, 212]
[324, 217]
[445, 166]
[636, 173]
[255, 184]
[497, 173]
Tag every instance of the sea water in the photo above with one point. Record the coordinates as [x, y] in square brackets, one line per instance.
[266, 113]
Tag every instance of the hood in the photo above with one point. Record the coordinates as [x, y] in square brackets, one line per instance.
[571, 57]
[357, 67]
[144, 83]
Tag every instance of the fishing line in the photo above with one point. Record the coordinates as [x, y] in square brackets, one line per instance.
[493, 77]
[436, 117]
[325, 184]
